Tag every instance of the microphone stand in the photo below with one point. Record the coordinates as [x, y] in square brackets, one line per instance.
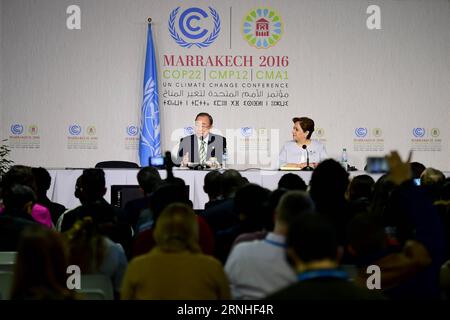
[308, 167]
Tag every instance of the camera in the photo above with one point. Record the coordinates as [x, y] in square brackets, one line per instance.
[157, 162]
[377, 165]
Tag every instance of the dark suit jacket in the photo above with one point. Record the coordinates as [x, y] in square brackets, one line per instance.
[11, 226]
[216, 146]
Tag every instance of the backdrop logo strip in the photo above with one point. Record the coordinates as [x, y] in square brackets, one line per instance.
[131, 138]
[24, 139]
[368, 140]
[426, 139]
[79, 139]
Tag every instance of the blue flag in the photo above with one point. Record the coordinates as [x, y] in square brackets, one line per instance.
[150, 135]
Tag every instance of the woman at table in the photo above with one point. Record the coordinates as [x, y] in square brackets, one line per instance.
[293, 153]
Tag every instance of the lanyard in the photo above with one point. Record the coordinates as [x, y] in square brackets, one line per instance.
[326, 273]
[276, 244]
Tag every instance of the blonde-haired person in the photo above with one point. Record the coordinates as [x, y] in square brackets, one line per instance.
[175, 269]
[95, 253]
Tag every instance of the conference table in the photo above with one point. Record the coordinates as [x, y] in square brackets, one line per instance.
[63, 182]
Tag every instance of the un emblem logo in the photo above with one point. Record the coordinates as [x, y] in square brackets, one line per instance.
[361, 132]
[195, 27]
[419, 132]
[75, 130]
[246, 132]
[262, 28]
[17, 129]
[132, 131]
[189, 131]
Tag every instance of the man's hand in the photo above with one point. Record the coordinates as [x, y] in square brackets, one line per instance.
[185, 160]
[399, 171]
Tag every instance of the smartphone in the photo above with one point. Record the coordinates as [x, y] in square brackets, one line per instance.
[377, 165]
[417, 182]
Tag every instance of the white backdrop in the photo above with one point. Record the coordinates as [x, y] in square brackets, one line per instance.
[369, 91]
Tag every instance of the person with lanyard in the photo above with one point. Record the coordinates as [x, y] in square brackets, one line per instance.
[313, 249]
[256, 269]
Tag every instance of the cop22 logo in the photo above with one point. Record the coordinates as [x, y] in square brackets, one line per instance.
[262, 28]
[192, 25]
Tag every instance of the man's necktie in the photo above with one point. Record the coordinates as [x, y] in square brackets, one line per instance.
[203, 152]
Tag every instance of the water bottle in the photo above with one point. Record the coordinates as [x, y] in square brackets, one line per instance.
[224, 159]
[344, 159]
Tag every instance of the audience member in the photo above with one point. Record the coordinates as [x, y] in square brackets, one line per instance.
[43, 182]
[221, 216]
[170, 192]
[175, 269]
[431, 180]
[41, 266]
[417, 168]
[408, 213]
[90, 189]
[250, 205]
[258, 268]
[359, 193]
[213, 188]
[137, 212]
[368, 244]
[16, 217]
[96, 254]
[313, 248]
[23, 175]
[328, 185]
[292, 181]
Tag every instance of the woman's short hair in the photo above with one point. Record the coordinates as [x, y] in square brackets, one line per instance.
[306, 124]
[177, 229]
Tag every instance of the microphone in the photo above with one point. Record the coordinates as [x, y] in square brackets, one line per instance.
[308, 167]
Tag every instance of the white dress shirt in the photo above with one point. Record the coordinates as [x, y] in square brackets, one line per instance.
[258, 268]
[291, 152]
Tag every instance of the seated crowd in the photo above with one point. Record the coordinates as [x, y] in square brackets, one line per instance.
[309, 242]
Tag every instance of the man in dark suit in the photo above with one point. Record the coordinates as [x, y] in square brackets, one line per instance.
[201, 146]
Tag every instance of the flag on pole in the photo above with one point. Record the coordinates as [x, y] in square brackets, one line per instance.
[150, 135]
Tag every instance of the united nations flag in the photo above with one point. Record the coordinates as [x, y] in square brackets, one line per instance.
[150, 133]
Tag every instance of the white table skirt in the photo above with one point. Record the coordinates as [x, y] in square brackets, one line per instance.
[63, 182]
